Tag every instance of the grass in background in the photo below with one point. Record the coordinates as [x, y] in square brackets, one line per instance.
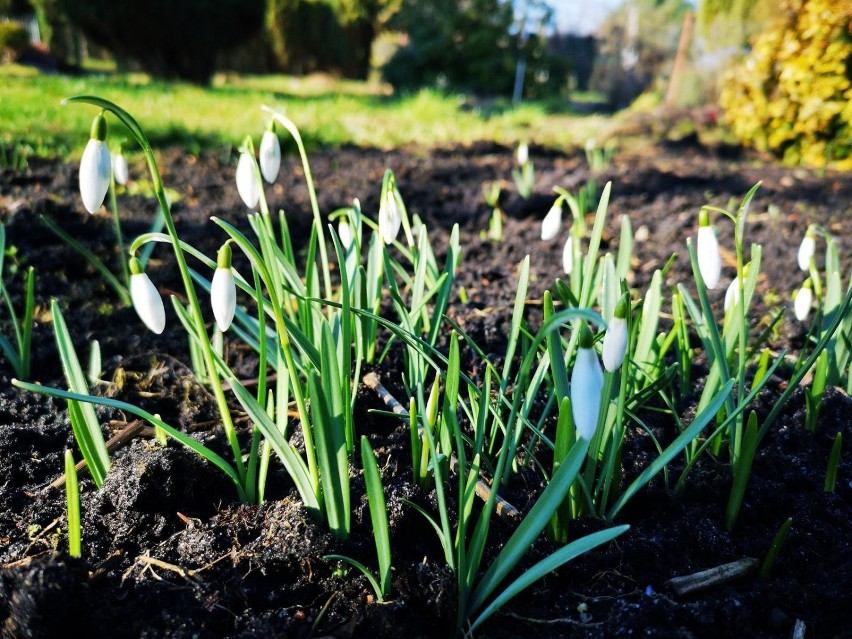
[328, 111]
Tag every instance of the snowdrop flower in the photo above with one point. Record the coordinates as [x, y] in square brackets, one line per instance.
[807, 249]
[344, 232]
[270, 154]
[523, 153]
[552, 221]
[223, 290]
[119, 168]
[568, 255]
[586, 386]
[95, 166]
[247, 183]
[803, 300]
[389, 218]
[709, 258]
[732, 295]
[146, 299]
[615, 340]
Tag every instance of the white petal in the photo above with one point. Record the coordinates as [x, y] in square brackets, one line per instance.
[802, 303]
[95, 171]
[568, 256]
[344, 231]
[732, 295]
[551, 223]
[615, 344]
[709, 258]
[119, 169]
[806, 252]
[247, 184]
[586, 387]
[147, 302]
[389, 219]
[223, 297]
[523, 153]
[270, 156]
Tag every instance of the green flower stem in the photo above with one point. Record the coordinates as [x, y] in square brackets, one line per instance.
[197, 316]
[119, 238]
[291, 128]
[284, 344]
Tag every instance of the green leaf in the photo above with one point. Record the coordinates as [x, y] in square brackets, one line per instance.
[378, 515]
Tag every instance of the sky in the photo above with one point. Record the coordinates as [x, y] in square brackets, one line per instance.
[581, 16]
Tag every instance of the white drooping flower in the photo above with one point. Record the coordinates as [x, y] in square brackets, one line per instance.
[119, 168]
[803, 301]
[552, 221]
[806, 250]
[615, 339]
[344, 232]
[523, 153]
[709, 257]
[568, 255]
[389, 218]
[146, 299]
[586, 386]
[247, 184]
[95, 167]
[270, 155]
[732, 295]
[223, 290]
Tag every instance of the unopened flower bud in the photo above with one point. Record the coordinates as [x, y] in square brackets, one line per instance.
[146, 299]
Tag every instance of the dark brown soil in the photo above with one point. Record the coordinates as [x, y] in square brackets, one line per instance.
[169, 551]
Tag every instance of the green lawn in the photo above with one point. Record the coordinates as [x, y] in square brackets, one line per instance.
[328, 112]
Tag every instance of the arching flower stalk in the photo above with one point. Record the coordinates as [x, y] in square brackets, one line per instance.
[223, 290]
[707, 248]
[95, 166]
[586, 385]
[146, 298]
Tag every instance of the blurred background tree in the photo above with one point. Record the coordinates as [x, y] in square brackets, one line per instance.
[475, 46]
[334, 36]
[167, 38]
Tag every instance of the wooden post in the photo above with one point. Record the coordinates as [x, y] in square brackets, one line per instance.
[680, 58]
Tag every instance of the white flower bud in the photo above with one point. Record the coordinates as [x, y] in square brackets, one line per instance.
[95, 172]
[223, 297]
[523, 153]
[247, 184]
[344, 231]
[568, 256]
[732, 295]
[552, 221]
[389, 218]
[270, 156]
[586, 387]
[147, 302]
[806, 251]
[119, 168]
[709, 258]
[615, 344]
[802, 301]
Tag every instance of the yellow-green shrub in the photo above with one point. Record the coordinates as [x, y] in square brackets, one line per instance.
[14, 40]
[792, 94]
